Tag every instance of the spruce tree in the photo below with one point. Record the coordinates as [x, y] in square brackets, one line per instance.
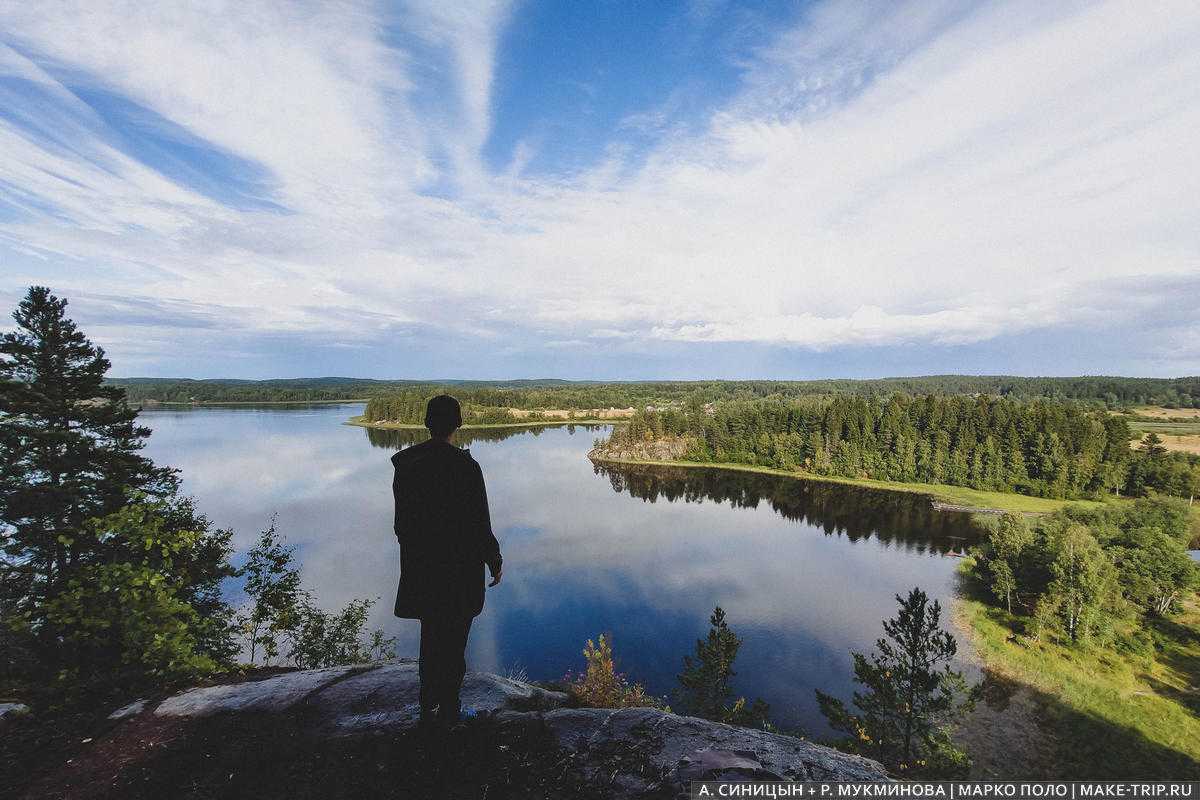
[1152, 446]
[68, 446]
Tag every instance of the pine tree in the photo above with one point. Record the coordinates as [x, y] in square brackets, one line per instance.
[68, 445]
[911, 694]
[705, 680]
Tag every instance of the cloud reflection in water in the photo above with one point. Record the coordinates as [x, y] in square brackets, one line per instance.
[805, 571]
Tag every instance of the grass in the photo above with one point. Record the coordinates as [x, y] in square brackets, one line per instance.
[1109, 712]
[1176, 428]
[1183, 437]
[1158, 412]
[962, 496]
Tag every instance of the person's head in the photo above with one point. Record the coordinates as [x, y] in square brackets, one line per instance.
[443, 416]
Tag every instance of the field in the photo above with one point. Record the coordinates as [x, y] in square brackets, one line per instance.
[1158, 412]
[1102, 712]
[1179, 428]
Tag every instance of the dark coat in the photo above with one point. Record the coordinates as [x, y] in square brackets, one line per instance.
[444, 530]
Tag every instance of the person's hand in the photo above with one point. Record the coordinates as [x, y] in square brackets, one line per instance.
[496, 571]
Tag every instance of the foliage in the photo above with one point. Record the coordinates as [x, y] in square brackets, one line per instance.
[1099, 391]
[912, 696]
[1079, 573]
[705, 682]
[280, 613]
[601, 686]
[1083, 582]
[273, 588]
[140, 617]
[1008, 540]
[108, 580]
[1155, 572]
[1040, 447]
[323, 639]
[68, 450]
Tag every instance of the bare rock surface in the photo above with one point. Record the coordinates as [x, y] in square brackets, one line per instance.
[131, 710]
[387, 697]
[679, 749]
[10, 711]
[668, 448]
[275, 694]
[627, 753]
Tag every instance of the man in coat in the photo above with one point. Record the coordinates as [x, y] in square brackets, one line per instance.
[445, 535]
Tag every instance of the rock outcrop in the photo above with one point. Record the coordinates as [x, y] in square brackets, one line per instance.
[668, 448]
[10, 711]
[634, 752]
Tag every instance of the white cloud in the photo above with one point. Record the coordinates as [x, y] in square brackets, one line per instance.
[891, 173]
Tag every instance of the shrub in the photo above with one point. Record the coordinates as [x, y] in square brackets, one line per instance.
[601, 686]
[280, 612]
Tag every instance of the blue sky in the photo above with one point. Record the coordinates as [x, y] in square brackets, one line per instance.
[608, 190]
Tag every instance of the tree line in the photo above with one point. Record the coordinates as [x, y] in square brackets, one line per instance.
[1038, 447]
[1112, 392]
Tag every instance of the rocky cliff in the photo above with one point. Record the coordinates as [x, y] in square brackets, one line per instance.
[669, 448]
[351, 731]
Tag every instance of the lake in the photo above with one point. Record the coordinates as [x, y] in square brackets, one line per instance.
[805, 571]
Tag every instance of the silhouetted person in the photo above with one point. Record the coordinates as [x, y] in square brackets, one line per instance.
[445, 535]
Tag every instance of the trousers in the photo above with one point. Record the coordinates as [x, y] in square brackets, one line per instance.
[443, 662]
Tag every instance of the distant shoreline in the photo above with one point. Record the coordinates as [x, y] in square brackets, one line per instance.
[152, 403]
[413, 426]
[942, 496]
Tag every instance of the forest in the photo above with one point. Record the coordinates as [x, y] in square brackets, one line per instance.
[1096, 607]
[1097, 391]
[1040, 447]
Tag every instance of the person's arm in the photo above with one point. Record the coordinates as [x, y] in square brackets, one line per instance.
[489, 548]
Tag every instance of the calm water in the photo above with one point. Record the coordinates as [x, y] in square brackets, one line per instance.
[804, 571]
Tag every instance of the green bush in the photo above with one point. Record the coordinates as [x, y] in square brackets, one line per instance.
[132, 621]
[281, 613]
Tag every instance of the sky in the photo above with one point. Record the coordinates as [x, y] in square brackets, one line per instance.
[608, 190]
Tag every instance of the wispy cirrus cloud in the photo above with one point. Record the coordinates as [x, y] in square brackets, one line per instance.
[884, 176]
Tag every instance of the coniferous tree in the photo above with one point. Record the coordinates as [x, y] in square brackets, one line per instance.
[705, 681]
[107, 578]
[1152, 446]
[68, 445]
[911, 695]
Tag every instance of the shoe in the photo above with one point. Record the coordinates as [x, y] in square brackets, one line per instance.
[427, 720]
[463, 715]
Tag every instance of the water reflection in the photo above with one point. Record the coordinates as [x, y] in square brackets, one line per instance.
[399, 438]
[805, 571]
[893, 518]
